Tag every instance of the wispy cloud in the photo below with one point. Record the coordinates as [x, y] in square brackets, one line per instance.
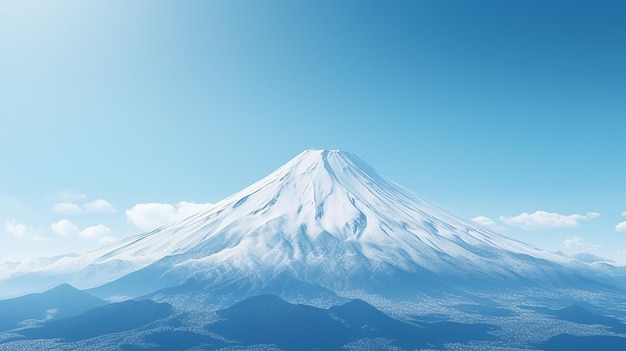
[18, 230]
[98, 206]
[547, 220]
[64, 227]
[148, 216]
[68, 196]
[99, 233]
[21, 231]
[488, 222]
[577, 244]
[95, 232]
[621, 226]
[67, 208]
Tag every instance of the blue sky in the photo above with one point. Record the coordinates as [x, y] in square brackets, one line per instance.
[490, 109]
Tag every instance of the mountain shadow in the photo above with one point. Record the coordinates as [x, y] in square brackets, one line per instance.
[112, 318]
[364, 321]
[583, 343]
[267, 319]
[60, 302]
[173, 340]
[580, 315]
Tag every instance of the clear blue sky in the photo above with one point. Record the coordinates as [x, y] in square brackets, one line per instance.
[486, 108]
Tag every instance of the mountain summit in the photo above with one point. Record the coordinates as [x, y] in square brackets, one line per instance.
[325, 219]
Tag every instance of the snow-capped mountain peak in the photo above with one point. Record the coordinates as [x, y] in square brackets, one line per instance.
[324, 218]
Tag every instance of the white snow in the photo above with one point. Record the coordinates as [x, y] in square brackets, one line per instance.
[324, 216]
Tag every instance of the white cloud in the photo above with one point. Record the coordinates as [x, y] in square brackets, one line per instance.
[483, 220]
[70, 208]
[67, 208]
[573, 242]
[545, 220]
[95, 232]
[21, 231]
[68, 196]
[99, 206]
[18, 230]
[99, 232]
[149, 216]
[577, 244]
[64, 227]
[620, 227]
[487, 222]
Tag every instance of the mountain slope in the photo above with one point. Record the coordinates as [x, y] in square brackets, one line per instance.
[60, 302]
[111, 318]
[326, 219]
[269, 320]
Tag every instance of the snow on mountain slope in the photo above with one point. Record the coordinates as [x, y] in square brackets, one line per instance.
[325, 218]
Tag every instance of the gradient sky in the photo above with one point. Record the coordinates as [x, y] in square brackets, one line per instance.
[115, 115]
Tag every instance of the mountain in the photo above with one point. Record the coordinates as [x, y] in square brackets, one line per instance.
[610, 336]
[255, 323]
[108, 319]
[583, 343]
[60, 302]
[269, 320]
[323, 222]
[580, 315]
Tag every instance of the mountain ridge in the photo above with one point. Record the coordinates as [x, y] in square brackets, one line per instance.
[59, 302]
[324, 218]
